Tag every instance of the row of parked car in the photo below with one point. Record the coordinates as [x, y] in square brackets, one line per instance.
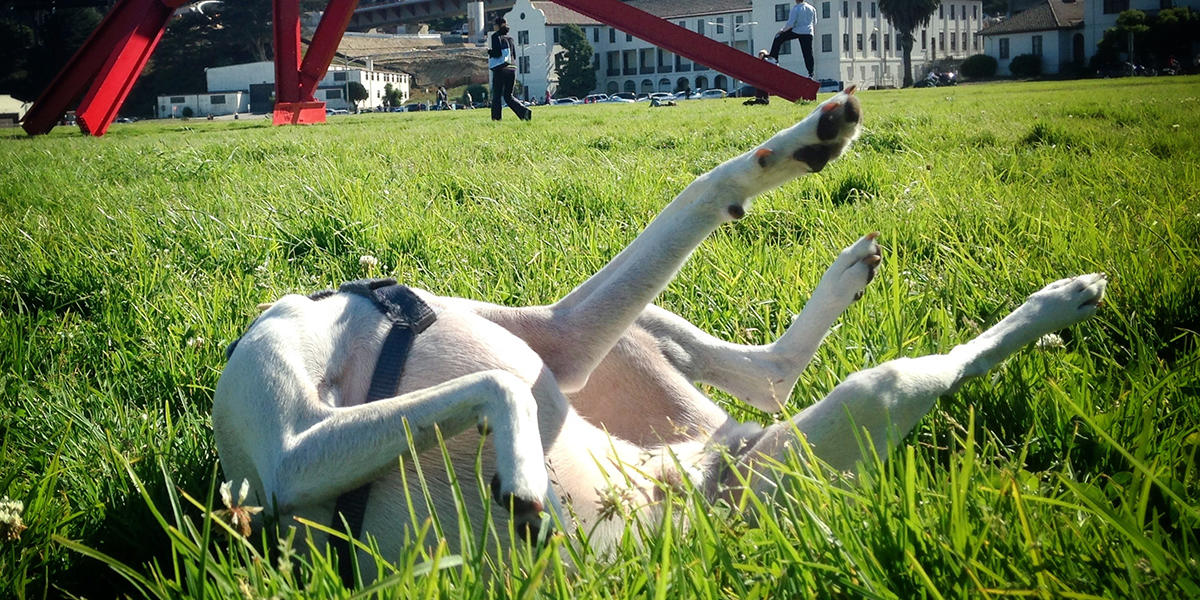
[827, 85]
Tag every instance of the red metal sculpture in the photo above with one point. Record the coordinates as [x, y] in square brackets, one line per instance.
[104, 69]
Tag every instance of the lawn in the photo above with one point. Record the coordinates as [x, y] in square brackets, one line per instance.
[129, 262]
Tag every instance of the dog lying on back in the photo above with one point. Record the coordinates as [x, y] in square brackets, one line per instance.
[589, 397]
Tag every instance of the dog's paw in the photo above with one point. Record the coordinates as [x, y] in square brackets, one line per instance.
[1065, 302]
[855, 267]
[528, 513]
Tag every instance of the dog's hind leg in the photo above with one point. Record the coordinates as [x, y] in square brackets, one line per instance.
[764, 376]
[887, 401]
[580, 329]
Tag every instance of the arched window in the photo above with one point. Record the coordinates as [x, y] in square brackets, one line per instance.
[664, 85]
[701, 83]
[630, 86]
[682, 84]
[611, 88]
[647, 86]
[719, 82]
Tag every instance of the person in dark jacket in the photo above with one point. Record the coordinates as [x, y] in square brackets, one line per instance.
[504, 74]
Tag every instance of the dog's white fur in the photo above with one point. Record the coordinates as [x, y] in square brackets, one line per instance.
[589, 399]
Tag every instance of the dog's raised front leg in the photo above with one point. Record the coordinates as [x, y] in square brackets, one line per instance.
[585, 324]
[889, 399]
[329, 450]
[764, 376]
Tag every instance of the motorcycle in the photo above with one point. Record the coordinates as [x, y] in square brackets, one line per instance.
[935, 79]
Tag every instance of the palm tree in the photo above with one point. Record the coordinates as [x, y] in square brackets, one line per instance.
[906, 16]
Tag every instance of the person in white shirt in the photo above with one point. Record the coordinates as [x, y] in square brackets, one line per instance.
[799, 26]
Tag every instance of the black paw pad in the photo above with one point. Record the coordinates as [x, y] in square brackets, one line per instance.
[736, 211]
[816, 157]
[526, 514]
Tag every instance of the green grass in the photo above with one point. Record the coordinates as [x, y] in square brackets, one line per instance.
[127, 263]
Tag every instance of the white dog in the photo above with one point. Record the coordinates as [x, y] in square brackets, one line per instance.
[587, 399]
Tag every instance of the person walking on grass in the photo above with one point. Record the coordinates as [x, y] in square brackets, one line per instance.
[504, 74]
[799, 26]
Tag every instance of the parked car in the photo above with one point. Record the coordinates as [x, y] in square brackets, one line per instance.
[593, 98]
[336, 111]
[622, 97]
[642, 98]
[661, 96]
[712, 93]
[415, 106]
[830, 85]
[567, 100]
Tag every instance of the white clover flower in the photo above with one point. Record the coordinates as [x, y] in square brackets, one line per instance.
[11, 524]
[368, 262]
[1050, 341]
[236, 514]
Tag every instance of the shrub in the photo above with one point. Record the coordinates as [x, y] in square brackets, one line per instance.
[1026, 65]
[979, 66]
[188, 112]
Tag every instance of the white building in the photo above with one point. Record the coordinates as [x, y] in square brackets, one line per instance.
[1052, 30]
[1062, 32]
[249, 87]
[202, 105]
[332, 89]
[854, 43]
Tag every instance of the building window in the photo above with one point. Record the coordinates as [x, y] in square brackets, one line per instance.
[555, 30]
[781, 12]
[924, 38]
[178, 100]
[845, 9]
[974, 11]
[720, 23]
[941, 11]
[339, 76]
[700, 26]
[221, 99]
[975, 41]
[523, 64]
[523, 38]
[874, 43]
[612, 58]
[952, 17]
[872, 10]
[333, 94]
[595, 35]
[628, 37]
[1037, 45]
[1003, 48]
[846, 43]
[858, 42]
[887, 42]
[827, 42]
[858, 10]
[612, 35]
[953, 41]
[682, 64]
[824, 10]
[941, 41]
[1112, 7]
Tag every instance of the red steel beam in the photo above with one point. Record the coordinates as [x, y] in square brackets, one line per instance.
[324, 45]
[74, 77]
[693, 46]
[287, 50]
[116, 78]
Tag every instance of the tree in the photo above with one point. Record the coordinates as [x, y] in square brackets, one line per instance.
[1149, 39]
[576, 75]
[357, 93]
[906, 16]
[392, 97]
